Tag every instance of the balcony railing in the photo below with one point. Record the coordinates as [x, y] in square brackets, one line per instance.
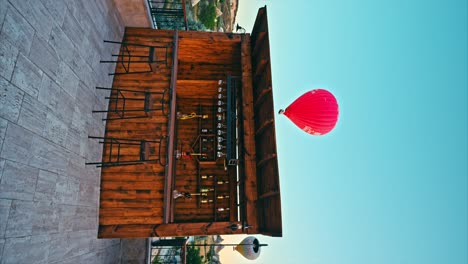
[168, 14]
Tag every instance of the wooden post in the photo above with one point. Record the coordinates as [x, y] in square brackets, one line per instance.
[171, 133]
[249, 136]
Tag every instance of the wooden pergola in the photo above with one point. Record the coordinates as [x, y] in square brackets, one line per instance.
[219, 143]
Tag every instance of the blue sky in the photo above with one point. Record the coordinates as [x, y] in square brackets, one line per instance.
[389, 184]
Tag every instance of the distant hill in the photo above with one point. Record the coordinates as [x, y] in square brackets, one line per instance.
[210, 253]
[230, 17]
[223, 12]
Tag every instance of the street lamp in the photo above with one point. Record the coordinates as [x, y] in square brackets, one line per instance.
[249, 247]
[240, 28]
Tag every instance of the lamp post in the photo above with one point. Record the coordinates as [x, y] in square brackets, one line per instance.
[240, 28]
[249, 247]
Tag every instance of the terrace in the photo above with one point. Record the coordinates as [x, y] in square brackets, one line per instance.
[49, 68]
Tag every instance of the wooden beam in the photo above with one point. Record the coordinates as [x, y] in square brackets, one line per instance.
[261, 66]
[149, 33]
[272, 234]
[123, 220]
[130, 203]
[264, 126]
[261, 97]
[250, 167]
[268, 194]
[259, 24]
[131, 185]
[269, 213]
[210, 36]
[265, 160]
[131, 212]
[165, 230]
[171, 134]
[196, 229]
[130, 194]
[259, 43]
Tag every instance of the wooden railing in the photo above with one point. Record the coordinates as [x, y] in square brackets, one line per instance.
[168, 14]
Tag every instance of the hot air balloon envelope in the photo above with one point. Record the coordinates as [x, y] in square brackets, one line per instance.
[249, 248]
[315, 112]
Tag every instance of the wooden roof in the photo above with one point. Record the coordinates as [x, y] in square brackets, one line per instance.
[268, 187]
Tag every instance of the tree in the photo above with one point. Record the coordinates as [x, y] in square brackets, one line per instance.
[156, 260]
[193, 255]
[195, 25]
[209, 255]
[208, 15]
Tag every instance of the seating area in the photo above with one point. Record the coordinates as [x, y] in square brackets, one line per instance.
[129, 104]
[54, 94]
[136, 138]
[125, 151]
[132, 54]
[130, 99]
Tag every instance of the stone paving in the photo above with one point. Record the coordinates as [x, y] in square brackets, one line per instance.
[49, 67]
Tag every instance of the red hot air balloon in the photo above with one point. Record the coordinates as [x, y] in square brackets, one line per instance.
[315, 112]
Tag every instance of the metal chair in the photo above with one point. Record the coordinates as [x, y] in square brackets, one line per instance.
[121, 98]
[116, 155]
[126, 58]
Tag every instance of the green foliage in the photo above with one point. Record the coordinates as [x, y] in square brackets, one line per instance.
[196, 26]
[208, 15]
[157, 260]
[193, 255]
[209, 255]
[193, 24]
